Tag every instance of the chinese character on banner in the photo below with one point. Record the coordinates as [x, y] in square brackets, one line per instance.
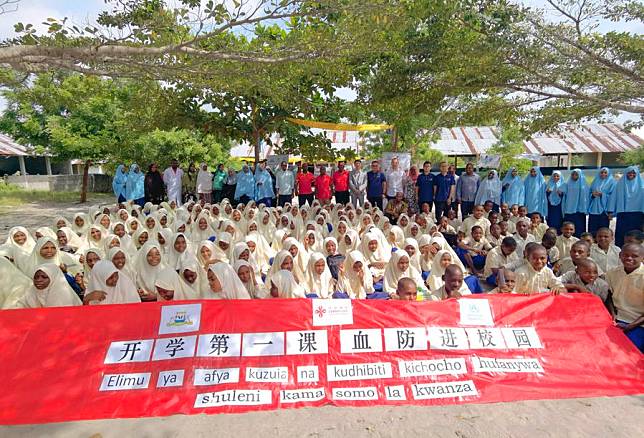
[307, 342]
[219, 345]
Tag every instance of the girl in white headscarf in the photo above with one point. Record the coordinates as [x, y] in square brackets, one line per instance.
[411, 246]
[169, 286]
[224, 246]
[126, 240]
[250, 279]
[165, 238]
[396, 237]
[241, 251]
[180, 248]
[224, 284]
[398, 267]
[45, 232]
[121, 260]
[96, 236]
[49, 289]
[350, 242]
[109, 285]
[193, 277]
[279, 236]
[427, 252]
[46, 251]
[208, 253]
[111, 241]
[283, 260]
[80, 224]
[91, 256]
[261, 250]
[300, 257]
[15, 284]
[283, 285]
[377, 257]
[201, 229]
[441, 260]
[318, 278]
[19, 244]
[355, 277]
[312, 242]
[73, 240]
[141, 237]
[149, 262]
[132, 225]
[340, 230]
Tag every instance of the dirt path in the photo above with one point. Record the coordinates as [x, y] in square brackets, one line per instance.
[598, 417]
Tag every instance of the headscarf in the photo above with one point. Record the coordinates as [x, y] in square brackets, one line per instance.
[628, 195]
[58, 219]
[535, 192]
[300, 261]
[255, 287]
[204, 179]
[94, 243]
[575, 198]
[118, 183]
[605, 186]
[555, 188]
[231, 286]
[83, 228]
[399, 236]
[200, 286]
[286, 285]
[196, 233]
[146, 273]
[57, 294]
[320, 284]
[35, 259]
[15, 284]
[135, 185]
[168, 279]
[425, 259]
[513, 189]
[415, 259]
[380, 255]
[87, 271]
[173, 257]
[435, 278]
[17, 251]
[354, 237]
[127, 269]
[73, 239]
[393, 273]
[489, 189]
[350, 282]
[124, 292]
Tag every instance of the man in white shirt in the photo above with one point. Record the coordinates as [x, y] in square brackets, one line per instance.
[394, 177]
[284, 184]
[358, 184]
[172, 180]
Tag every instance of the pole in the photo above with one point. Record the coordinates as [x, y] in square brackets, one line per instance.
[23, 169]
[599, 159]
[394, 139]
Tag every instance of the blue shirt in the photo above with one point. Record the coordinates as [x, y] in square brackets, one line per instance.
[245, 185]
[425, 185]
[443, 185]
[374, 184]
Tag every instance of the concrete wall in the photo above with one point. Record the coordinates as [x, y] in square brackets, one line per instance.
[62, 183]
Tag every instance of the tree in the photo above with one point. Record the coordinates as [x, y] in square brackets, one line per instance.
[510, 146]
[633, 157]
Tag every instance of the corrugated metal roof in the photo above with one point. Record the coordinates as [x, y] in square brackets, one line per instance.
[577, 140]
[8, 147]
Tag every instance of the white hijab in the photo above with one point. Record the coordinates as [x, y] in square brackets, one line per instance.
[124, 292]
[320, 284]
[35, 259]
[57, 294]
[255, 287]
[286, 285]
[231, 286]
[146, 273]
[15, 284]
[127, 269]
[200, 286]
[435, 278]
[393, 273]
[168, 279]
[350, 282]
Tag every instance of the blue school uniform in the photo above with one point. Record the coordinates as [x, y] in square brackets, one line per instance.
[575, 201]
[555, 216]
[598, 205]
[534, 188]
[627, 203]
[513, 190]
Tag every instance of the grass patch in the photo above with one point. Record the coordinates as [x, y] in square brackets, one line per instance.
[13, 196]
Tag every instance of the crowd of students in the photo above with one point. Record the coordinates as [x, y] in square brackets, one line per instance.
[199, 250]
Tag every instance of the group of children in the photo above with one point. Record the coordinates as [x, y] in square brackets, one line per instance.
[129, 254]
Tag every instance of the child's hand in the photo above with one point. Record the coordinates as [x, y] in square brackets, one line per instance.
[558, 290]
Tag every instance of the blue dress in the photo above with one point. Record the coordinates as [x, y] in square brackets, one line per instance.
[555, 217]
[575, 201]
[598, 205]
[513, 191]
[535, 193]
[627, 202]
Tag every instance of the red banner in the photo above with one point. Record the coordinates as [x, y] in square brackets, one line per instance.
[153, 359]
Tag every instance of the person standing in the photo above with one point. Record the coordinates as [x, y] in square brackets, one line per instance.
[553, 192]
[489, 190]
[245, 189]
[218, 183]
[425, 186]
[466, 188]
[394, 177]
[534, 189]
[444, 190]
[264, 185]
[154, 188]
[230, 183]
[600, 190]
[284, 184]
[172, 180]
[305, 183]
[627, 202]
[341, 184]
[204, 183]
[410, 190]
[135, 186]
[357, 184]
[119, 181]
[189, 183]
[323, 186]
[452, 171]
[376, 185]
[575, 201]
[513, 188]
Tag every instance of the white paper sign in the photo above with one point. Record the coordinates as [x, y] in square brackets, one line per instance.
[183, 318]
[331, 312]
[475, 312]
[174, 348]
[137, 350]
[263, 344]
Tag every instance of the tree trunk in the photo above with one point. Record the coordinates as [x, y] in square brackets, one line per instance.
[83, 195]
[394, 139]
[258, 145]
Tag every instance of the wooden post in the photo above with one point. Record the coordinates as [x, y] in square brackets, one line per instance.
[394, 139]
[599, 159]
[48, 165]
[23, 170]
[569, 159]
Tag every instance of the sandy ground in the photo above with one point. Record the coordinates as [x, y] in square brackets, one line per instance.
[597, 417]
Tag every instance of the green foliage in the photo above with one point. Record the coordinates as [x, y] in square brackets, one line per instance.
[424, 152]
[509, 147]
[633, 157]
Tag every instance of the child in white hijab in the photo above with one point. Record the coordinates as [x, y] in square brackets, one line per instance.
[49, 289]
[398, 267]
[283, 285]
[318, 278]
[224, 284]
[355, 278]
[149, 262]
[15, 284]
[169, 286]
[108, 285]
[250, 280]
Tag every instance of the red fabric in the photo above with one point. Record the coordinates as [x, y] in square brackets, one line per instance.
[305, 183]
[341, 181]
[53, 359]
[323, 187]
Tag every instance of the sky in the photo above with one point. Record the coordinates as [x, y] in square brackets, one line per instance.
[81, 12]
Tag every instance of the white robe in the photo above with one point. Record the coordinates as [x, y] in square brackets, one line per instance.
[172, 181]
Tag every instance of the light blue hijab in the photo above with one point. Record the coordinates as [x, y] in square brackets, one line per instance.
[554, 187]
[628, 196]
[535, 192]
[606, 187]
[513, 191]
[245, 183]
[489, 190]
[118, 183]
[575, 199]
[134, 187]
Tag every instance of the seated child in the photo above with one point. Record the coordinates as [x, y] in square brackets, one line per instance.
[634, 236]
[588, 237]
[566, 239]
[548, 241]
[498, 258]
[522, 236]
[585, 278]
[505, 230]
[444, 226]
[493, 217]
[578, 251]
[507, 282]
[472, 251]
[488, 206]
[604, 252]
[453, 285]
[476, 218]
[495, 237]
[454, 221]
[537, 228]
[535, 276]
[626, 283]
[406, 290]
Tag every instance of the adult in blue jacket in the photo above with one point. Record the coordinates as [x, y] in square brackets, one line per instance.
[574, 204]
[118, 183]
[627, 203]
[134, 186]
[600, 191]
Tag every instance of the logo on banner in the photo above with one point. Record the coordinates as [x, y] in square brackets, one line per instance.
[180, 319]
[332, 312]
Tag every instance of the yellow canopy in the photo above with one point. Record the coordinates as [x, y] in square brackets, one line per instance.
[339, 126]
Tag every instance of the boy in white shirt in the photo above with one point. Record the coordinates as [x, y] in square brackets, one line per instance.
[579, 250]
[626, 283]
[498, 258]
[522, 236]
[548, 241]
[472, 250]
[445, 227]
[535, 276]
[477, 218]
[604, 252]
[507, 282]
[537, 228]
[453, 286]
[454, 221]
[566, 239]
[495, 236]
[585, 278]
